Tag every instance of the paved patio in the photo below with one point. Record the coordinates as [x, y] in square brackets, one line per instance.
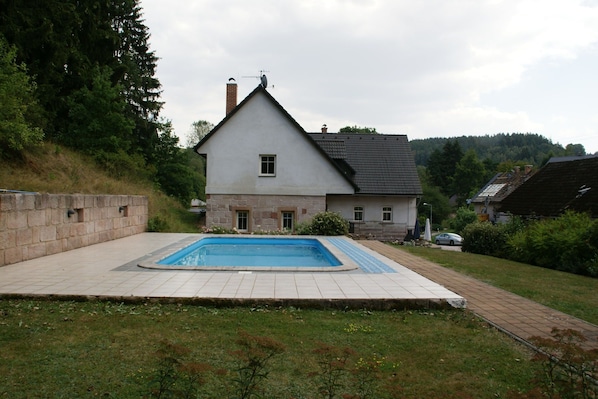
[110, 270]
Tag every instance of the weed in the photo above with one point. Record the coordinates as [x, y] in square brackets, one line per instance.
[253, 359]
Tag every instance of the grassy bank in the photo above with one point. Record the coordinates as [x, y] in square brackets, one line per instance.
[570, 293]
[87, 349]
[55, 169]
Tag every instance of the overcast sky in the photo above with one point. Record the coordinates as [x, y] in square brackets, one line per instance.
[425, 68]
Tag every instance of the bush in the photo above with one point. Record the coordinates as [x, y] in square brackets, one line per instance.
[325, 224]
[464, 217]
[568, 243]
[485, 238]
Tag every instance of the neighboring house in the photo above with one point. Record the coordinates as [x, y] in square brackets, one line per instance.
[487, 202]
[565, 183]
[264, 172]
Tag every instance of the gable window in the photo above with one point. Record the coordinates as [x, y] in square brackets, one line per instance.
[267, 165]
[387, 214]
[242, 220]
[358, 213]
[288, 219]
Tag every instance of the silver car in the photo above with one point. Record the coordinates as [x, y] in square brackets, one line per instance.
[448, 239]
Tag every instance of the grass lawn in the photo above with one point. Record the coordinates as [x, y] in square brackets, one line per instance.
[52, 349]
[572, 294]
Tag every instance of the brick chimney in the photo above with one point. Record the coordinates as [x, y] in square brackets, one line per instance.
[324, 128]
[231, 95]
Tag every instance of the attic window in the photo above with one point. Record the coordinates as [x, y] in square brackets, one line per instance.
[267, 165]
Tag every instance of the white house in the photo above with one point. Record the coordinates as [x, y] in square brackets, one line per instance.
[264, 172]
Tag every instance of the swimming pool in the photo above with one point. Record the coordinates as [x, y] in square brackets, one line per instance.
[255, 253]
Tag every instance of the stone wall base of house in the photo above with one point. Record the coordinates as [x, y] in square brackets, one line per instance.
[265, 211]
[378, 231]
[34, 225]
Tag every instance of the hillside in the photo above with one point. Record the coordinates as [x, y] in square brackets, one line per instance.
[51, 168]
[528, 148]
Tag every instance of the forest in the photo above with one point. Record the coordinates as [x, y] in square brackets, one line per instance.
[81, 74]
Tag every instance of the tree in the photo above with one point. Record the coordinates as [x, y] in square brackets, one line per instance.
[96, 117]
[442, 166]
[17, 103]
[357, 129]
[199, 130]
[469, 176]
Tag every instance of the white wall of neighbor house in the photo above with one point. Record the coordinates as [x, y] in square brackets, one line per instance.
[404, 214]
[258, 128]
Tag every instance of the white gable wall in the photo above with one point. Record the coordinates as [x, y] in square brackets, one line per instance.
[259, 128]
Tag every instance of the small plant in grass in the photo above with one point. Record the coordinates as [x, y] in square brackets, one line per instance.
[175, 378]
[253, 359]
[568, 370]
[334, 366]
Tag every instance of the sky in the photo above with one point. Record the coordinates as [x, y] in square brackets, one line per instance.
[424, 68]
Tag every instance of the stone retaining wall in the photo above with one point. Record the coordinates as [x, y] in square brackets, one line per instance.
[34, 225]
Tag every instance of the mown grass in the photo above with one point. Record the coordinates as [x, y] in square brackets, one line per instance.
[570, 293]
[88, 349]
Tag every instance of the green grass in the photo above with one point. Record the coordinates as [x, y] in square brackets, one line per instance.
[570, 293]
[54, 349]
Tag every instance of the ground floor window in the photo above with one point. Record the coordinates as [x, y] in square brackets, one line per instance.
[288, 220]
[358, 213]
[242, 220]
[387, 214]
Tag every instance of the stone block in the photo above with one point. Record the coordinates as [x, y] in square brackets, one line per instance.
[53, 247]
[34, 251]
[7, 202]
[8, 239]
[16, 220]
[47, 233]
[36, 218]
[24, 237]
[13, 255]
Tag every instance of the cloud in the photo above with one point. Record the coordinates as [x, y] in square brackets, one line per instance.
[393, 65]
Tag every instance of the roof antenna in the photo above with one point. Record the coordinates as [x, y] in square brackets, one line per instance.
[262, 77]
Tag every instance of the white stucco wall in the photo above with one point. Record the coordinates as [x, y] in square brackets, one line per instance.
[258, 128]
[404, 214]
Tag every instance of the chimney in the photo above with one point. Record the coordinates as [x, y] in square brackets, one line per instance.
[324, 128]
[231, 95]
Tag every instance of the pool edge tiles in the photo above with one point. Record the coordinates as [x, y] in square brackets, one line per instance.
[152, 261]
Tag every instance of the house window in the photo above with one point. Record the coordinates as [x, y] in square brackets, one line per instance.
[267, 165]
[242, 220]
[387, 214]
[288, 219]
[358, 213]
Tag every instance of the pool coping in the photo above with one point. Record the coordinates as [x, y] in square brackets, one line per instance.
[109, 271]
[151, 262]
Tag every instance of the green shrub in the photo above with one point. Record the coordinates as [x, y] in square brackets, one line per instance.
[568, 243]
[485, 238]
[463, 217]
[325, 224]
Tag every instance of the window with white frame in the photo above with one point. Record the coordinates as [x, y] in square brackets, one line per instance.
[386, 214]
[288, 219]
[358, 213]
[242, 220]
[267, 165]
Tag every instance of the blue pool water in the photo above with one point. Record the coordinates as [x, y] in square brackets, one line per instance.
[255, 252]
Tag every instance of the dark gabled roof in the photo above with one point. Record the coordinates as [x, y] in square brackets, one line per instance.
[382, 164]
[260, 89]
[562, 184]
[501, 185]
